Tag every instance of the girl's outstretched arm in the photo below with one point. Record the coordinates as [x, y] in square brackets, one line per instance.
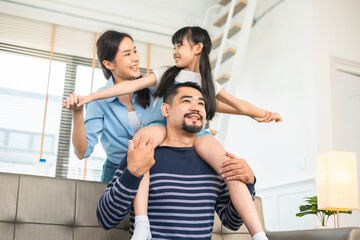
[229, 104]
[119, 89]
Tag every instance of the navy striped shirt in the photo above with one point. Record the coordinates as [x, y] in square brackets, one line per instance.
[184, 192]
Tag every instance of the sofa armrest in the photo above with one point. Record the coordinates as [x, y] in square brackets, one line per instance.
[352, 233]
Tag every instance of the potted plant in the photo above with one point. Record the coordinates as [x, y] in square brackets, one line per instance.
[312, 208]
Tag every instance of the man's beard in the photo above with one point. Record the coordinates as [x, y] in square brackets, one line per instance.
[191, 128]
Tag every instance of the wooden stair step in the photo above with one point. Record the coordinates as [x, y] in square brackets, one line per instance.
[235, 28]
[223, 78]
[224, 2]
[238, 7]
[228, 53]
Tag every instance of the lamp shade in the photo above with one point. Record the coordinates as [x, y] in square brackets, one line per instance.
[337, 181]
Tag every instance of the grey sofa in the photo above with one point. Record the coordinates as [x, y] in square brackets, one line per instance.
[39, 208]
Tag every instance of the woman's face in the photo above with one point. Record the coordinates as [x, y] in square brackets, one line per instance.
[125, 66]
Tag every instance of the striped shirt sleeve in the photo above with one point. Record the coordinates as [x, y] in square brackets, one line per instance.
[226, 210]
[115, 203]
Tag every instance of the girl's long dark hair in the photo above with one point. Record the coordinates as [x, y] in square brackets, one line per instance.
[194, 35]
[107, 48]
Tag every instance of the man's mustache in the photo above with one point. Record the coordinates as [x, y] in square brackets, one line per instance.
[187, 114]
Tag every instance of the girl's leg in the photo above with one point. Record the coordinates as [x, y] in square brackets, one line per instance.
[239, 193]
[142, 225]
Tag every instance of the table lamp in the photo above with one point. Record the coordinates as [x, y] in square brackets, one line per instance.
[337, 184]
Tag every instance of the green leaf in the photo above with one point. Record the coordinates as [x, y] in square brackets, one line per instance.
[312, 208]
[304, 207]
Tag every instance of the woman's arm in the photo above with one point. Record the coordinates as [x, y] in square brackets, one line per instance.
[119, 89]
[229, 104]
[79, 135]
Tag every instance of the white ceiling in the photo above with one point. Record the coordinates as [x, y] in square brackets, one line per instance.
[194, 8]
[153, 20]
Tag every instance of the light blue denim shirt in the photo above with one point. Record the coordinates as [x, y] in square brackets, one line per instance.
[109, 119]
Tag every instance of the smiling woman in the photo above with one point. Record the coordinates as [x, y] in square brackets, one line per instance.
[116, 119]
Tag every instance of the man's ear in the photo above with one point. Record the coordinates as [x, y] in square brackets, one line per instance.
[108, 65]
[165, 108]
[198, 48]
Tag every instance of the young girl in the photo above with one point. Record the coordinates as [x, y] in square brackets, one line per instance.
[192, 46]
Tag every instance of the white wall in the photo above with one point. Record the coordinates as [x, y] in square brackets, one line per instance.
[288, 69]
[336, 36]
[278, 75]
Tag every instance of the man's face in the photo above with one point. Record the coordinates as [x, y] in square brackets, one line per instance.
[187, 110]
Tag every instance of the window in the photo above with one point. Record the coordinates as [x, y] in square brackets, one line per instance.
[95, 162]
[23, 82]
[24, 76]
[25, 72]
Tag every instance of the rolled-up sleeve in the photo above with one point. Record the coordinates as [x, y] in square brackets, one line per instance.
[94, 125]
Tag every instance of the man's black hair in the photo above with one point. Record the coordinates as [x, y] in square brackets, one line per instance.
[173, 90]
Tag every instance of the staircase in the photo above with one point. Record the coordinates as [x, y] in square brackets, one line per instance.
[229, 23]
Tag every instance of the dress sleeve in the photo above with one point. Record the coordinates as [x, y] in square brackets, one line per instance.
[226, 210]
[119, 195]
[217, 87]
[159, 73]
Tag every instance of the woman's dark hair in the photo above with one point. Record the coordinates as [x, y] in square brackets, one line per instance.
[193, 35]
[107, 48]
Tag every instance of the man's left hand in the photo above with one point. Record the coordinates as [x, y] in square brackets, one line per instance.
[237, 169]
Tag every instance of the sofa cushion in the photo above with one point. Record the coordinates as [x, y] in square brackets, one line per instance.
[9, 184]
[97, 233]
[84, 217]
[86, 206]
[316, 234]
[31, 231]
[7, 231]
[46, 200]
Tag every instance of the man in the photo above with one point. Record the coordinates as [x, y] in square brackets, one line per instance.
[184, 190]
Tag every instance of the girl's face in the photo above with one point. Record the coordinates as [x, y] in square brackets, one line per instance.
[186, 55]
[125, 66]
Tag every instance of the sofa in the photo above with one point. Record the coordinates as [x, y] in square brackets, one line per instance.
[43, 208]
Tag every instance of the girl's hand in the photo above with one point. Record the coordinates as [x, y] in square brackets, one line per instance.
[72, 103]
[276, 117]
[83, 100]
[266, 118]
[269, 117]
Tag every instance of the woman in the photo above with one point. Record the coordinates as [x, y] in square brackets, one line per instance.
[115, 119]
